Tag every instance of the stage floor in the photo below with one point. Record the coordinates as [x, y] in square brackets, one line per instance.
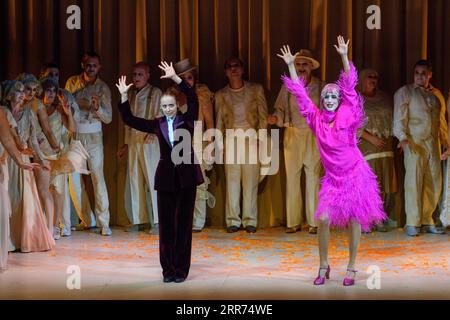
[269, 264]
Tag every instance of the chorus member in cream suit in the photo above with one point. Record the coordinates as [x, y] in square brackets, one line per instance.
[143, 153]
[188, 73]
[300, 148]
[421, 128]
[94, 100]
[445, 200]
[241, 105]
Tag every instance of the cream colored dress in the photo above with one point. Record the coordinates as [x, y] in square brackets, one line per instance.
[28, 229]
[5, 203]
[378, 111]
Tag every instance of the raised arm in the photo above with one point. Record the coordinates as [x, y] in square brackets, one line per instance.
[296, 86]
[342, 49]
[191, 95]
[352, 104]
[130, 120]
[67, 116]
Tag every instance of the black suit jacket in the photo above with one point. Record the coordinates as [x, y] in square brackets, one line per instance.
[170, 176]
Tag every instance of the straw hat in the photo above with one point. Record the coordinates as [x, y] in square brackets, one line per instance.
[183, 66]
[307, 55]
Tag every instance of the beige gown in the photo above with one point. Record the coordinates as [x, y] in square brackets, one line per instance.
[28, 229]
[5, 209]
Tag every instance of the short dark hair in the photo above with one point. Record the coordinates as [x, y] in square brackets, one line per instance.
[230, 59]
[46, 66]
[90, 54]
[424, 63]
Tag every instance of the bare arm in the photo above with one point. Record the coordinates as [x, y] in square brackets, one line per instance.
[66, 113]
[7, 140]
[43, 122]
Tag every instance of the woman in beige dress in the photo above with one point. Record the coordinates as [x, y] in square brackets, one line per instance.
[28, 229]
[60, 120]
[7, 145]
[376, 143]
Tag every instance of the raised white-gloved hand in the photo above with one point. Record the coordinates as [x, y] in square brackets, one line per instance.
[342, 47]
[287, 56]
[169, 72]
[123, 88]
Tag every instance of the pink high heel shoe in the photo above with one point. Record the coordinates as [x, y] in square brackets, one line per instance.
[321, 280]
[349, 281]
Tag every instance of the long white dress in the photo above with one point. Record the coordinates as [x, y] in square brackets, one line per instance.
[5, 203]
[28, 229]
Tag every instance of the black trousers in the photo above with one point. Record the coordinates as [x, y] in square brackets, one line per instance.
[176, 213]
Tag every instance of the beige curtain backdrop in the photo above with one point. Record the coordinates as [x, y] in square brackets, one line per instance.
[209, 31]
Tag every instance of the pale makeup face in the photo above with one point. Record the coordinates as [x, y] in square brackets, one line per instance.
[140, 77]
[422, 76]
[331, 100]
[233, 69]
[91, 67]
[169, 106]
[370, 81]
[189, 78]
[303, 68]
[30, 91]
[49, 96]
[18, 97]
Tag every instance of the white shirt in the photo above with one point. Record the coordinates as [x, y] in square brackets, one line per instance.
[170, 127]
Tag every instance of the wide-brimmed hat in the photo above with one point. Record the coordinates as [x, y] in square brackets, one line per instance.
[307, 55]
[183, 66]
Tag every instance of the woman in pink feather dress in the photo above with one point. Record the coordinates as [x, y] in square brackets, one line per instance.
[349, 196]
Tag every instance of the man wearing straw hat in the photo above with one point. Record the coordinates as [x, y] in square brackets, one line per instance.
[300, 149]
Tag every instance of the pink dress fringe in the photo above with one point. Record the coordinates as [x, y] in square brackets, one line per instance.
[349, 190]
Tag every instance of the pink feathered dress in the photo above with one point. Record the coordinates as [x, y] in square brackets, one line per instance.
[349, 190]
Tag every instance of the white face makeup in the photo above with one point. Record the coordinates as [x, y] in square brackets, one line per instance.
[169, 106]
[331, 100]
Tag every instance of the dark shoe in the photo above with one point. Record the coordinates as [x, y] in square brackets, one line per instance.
[179, 279]
[232, 229]
[169, 279]
[312, 230]
[381, 228]
[250, 229]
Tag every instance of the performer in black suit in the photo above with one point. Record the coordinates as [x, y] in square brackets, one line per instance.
[176, 183]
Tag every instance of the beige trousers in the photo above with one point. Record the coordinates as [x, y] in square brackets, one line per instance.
[141, 168]
[423, 182]
[248, 175]
[300, 151]
[93, 143]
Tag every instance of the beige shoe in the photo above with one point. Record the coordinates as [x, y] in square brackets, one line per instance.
[292, 230]
[312, 230]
